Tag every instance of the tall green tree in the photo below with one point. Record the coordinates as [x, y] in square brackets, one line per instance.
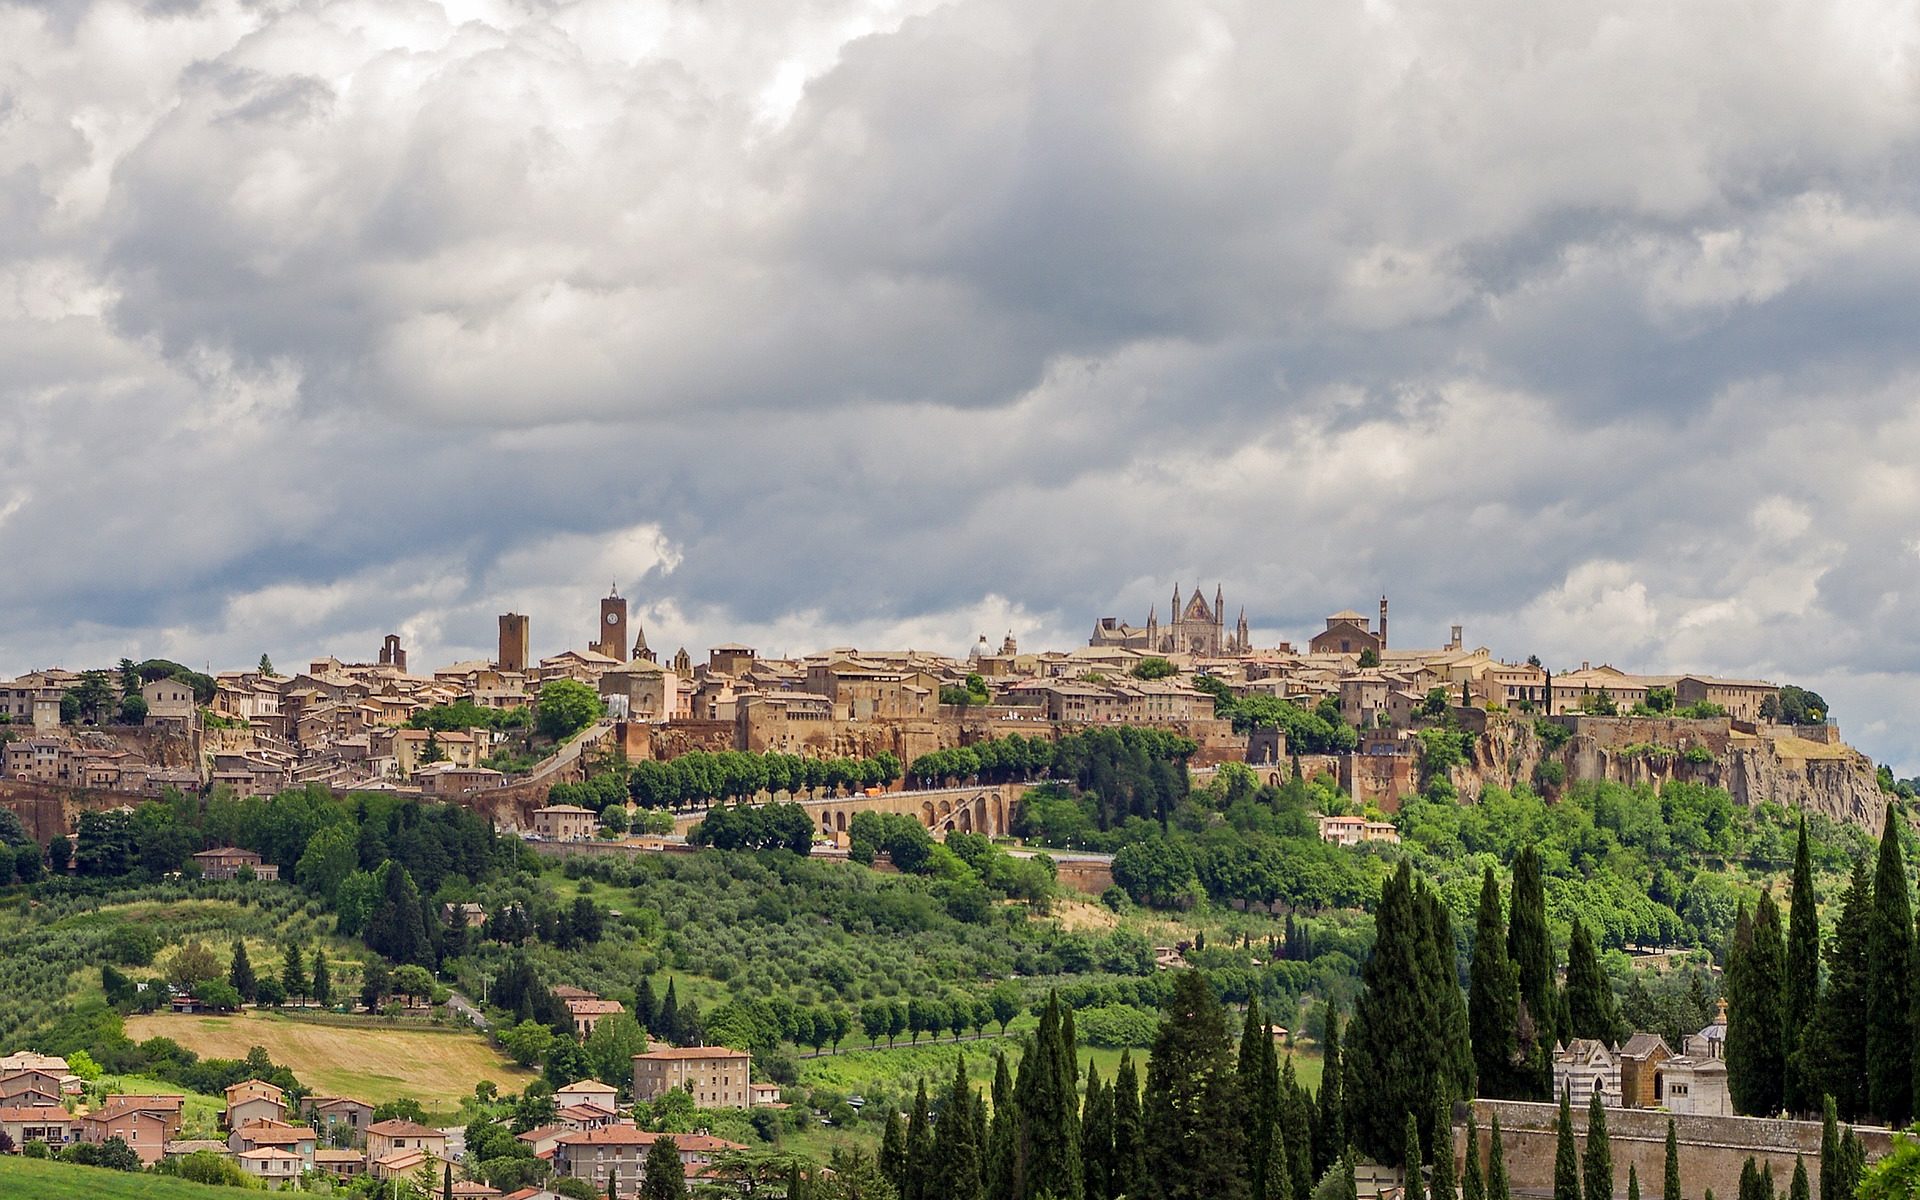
[956, 1154]
[1596, 1164]
[1493, 999]
[1296, 1120]
[1003, 1135]
[293, 972]
[1840, 1020]
[322, 978]
[919, 1176]
[893, 1153]
[1889, 983]
[394, 929]
[1591, 1010]
[1046, 1096]
[1195, 1142]
[1330, 1132]
[1258, 1074]
[1566, 1161]
[1096, 1137]
[1756, 989]
[1410, 1160]
[1530, 949]
[665, 1177]
[1497, 1186]
[1803, 980]
[1670, 1182]
[1473, 1184]
[646, 1009]
[1129, 1175]
[1443, 1186]
[669, 1027]
[1800, 1189]
[240, 973]
[1408, 1049]
[1633, 1182]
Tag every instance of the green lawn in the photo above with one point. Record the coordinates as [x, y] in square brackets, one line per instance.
[38, 1179]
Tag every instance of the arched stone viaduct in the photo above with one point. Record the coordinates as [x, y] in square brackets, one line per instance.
[986, 808]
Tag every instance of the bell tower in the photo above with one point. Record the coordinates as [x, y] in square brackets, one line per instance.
[613, 627]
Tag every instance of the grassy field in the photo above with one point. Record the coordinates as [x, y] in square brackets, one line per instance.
[434, 1067]
[38, 1179]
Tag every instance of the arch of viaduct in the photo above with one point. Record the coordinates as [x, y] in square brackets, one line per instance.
[986, 808]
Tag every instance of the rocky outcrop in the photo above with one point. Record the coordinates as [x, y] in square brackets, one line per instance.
[1808, 769]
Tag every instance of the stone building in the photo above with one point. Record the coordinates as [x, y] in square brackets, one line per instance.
[716, 1075]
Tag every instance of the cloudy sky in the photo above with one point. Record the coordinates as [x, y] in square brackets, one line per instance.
[1592, 327]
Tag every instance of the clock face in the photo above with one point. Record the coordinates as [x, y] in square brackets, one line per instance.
[613, 618]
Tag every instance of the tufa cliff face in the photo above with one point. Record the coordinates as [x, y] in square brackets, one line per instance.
[1796, 768]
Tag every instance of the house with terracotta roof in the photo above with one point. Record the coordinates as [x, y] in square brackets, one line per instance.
[332, 1114]
[275, 1135]
[388, 1142]
[588, 1091]
[49, 1123]
[421, 1165]
[225, 862]
[615, 1158]
[145, 1123]
[31, 1086]
[716, 1075]
[274, 1166]
[589, 1013]
[253, 1100]
[341, 1164]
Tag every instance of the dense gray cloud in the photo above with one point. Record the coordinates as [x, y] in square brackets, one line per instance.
[858, 321]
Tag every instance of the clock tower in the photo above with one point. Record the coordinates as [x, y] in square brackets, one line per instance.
[613, 627]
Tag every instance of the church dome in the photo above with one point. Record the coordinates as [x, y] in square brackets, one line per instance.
[979, 650]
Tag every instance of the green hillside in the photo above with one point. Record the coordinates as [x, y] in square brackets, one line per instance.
[41, 1179]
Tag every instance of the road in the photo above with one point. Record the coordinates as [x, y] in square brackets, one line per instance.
[467, 1009]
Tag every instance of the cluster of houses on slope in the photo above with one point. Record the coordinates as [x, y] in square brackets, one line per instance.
[279, 1143]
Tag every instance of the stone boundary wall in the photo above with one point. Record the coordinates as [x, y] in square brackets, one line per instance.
[1712, 1149]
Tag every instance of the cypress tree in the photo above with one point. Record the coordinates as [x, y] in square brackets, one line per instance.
[1756, 1035]
[1330, 1134]
[1442, 1186]
[1800, 1189]
[1493, 998]
[1633, 1182]
[955, 1162]
[1297, 1126]
[1453, 1040]
[921, 1181]
[1194, 1138]
[1410, 1159]
[1349, 1186]
[322, 977]
[293, 972]
[1591, 1011]
[240, 973]
[1830, 1153]
[1279, 1168]
[669, 1030]
[1259, 1080]
[1566, 1162]
[1803, 979]
[1530, 949]
[646, 1009]
[1003, 1135]
[1129, 1177]
[446, 1183]
[1096, 1138]
[1497, 1187]
[1749, 1180]
[1853, 1163]
[1472, 1183]
[1046, 1097]
[1596, 1165]
[1766, 1181]
[1889, 964]
[1670, 1185]
[893, 1153]
[1840, 1022]
[665, 1177]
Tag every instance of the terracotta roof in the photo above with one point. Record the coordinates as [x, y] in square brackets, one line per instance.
[401, 1128]
[35, 1112]
[259, 1087]
[269, 1153]
[612, 1135]
[594, 1007]
[338, 1156]
[673, 1052]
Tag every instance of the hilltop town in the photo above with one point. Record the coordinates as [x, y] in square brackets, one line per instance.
[602, 925]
